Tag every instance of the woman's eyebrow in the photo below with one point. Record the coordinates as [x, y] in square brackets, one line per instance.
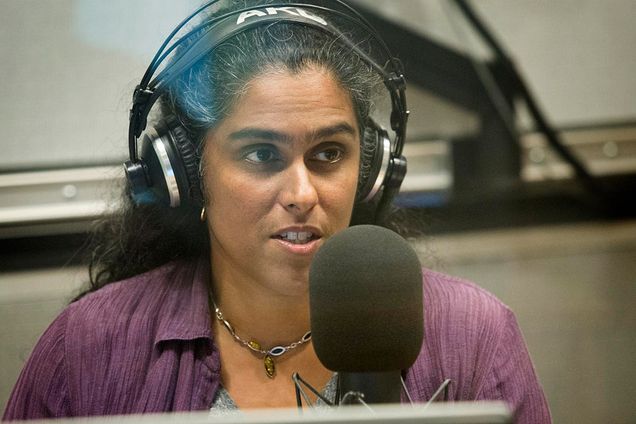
[271, 135]
[259, 134]
[332, 130]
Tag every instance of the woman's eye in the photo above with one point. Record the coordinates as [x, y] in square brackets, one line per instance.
[261, 155]
[329, 155]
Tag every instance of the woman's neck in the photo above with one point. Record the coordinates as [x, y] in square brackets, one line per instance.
[260, 314]
[271, 313]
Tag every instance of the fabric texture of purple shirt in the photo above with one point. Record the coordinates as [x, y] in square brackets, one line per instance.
[145, 345]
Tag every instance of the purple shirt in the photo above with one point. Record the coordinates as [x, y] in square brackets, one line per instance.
[145, 345]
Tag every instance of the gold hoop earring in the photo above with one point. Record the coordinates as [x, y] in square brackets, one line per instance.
[204, 215]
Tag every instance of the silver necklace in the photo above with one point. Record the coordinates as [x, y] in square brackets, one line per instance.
[254, 346]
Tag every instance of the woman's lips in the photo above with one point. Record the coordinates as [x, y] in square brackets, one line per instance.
[298, 240]
[307, 247]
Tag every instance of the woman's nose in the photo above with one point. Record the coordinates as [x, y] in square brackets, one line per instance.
[299, 194]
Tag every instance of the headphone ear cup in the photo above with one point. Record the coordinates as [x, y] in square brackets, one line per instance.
[170, 167]
[374, 161]
[190, 164]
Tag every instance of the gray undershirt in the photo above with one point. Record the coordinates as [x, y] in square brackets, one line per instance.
[223, 403]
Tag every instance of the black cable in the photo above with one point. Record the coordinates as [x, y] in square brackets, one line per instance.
[537, 114]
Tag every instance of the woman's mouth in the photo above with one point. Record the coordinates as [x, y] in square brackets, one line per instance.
[299, 241]
[297, 237]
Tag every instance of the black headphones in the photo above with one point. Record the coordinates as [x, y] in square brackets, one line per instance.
[166, 170]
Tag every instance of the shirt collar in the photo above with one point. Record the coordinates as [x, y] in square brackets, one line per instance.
[185, 311]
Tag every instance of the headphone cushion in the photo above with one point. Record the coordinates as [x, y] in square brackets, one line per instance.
[190, 161]
[371, 159]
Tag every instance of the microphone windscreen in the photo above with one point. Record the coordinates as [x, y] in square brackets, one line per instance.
[365, 296]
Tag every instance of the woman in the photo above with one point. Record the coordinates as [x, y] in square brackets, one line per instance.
[187, 305]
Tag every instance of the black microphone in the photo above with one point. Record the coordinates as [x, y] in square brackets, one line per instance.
[366, 310]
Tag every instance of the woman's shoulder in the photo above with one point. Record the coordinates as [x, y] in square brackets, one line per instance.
[464, 323]
[473, 339]
[464, 326]
[126, 296]
[450, 296]
[99, 349]
[153, 302]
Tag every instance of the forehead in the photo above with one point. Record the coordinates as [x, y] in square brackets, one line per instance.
[312, 95]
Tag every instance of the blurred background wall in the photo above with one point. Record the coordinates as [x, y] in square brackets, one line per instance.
[564, 262]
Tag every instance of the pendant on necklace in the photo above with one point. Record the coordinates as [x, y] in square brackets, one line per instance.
[270, 368]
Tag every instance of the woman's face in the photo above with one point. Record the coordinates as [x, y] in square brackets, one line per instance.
[280, 177]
